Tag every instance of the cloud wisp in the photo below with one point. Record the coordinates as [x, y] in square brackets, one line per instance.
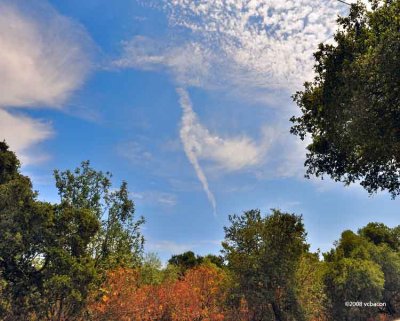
[228, 154]
[43, 60]
[188, 63]
[190, 143]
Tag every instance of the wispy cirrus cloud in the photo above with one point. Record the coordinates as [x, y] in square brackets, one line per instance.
[134, 152]
[43, 60]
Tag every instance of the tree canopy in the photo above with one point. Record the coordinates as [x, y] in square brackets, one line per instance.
[82, 259]
[351, 110]
[364, 267]
[118, 241]
[264, 254]
[185, 260]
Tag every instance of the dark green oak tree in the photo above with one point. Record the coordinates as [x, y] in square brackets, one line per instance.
[189, 260]
[351, 110]
[185, 261]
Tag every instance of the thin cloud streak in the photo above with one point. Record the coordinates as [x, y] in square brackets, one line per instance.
[224, 154]
[189, 120]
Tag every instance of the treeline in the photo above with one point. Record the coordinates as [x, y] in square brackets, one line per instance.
[266, 273]
[82, 259]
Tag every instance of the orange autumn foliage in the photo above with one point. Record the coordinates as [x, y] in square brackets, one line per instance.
[199, 295]
[112, 304]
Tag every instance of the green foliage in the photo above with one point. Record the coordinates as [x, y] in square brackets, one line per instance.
[53, 255]
[151, 270]
[45, 266]
[364, 267]
[264, 254]
[353, 280]
[4, 302]
[379, 233]
[185, 261]
[118, 241]
[9, 164]
[310, 286]
[171, 273]
[217, 260]
[351, 110]
[389, 262]
[189, 260]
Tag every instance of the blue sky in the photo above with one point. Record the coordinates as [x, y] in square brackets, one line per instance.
[188, 101]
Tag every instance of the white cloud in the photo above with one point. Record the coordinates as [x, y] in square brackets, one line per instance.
[188, 63]
[190, 144]
[167, 199]
[22, 134]
[260, 50]
[228, 154]
[43, 55]
[264, 43]
[43, 59]
[249, 46]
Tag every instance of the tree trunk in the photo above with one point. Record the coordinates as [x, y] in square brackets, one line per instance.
[277, 312]
[60, 309]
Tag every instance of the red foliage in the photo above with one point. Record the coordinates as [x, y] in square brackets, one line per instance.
[200, 295]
